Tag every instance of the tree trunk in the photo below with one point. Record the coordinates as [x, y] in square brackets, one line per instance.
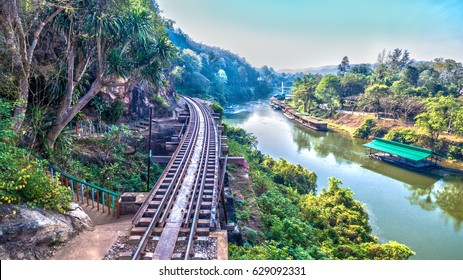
[21, 44]
[67, 115]
[53, 134]
[19, 113]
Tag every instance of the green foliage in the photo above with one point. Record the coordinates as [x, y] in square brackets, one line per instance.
[113, 112]
[112, 163]
[42, 191]
[343, 228]
[217, 108]
[369, 128]
[160, 103]
[243, 215]
[329, 92]
[291, 175]
[442, 113]
[353, 84]
[240, 136]
[6, 124]
[402, 135]
[107, 113]
[304, 91]
[24, 180]
[250, 235]
[266, 251]
[455, 152]
[296, 223]
[215, 74]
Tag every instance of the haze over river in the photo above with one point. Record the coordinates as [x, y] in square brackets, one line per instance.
[422, 211]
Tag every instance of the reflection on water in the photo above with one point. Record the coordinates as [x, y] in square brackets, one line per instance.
[423, 211]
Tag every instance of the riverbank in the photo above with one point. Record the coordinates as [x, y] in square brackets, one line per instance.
[349, 123]
[293, 218]
[408, 207]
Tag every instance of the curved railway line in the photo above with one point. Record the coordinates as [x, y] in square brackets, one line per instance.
[183, 203]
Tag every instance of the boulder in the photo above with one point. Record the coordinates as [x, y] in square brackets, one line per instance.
[32, 233]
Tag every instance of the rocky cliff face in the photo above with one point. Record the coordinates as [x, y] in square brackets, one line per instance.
[32, 233]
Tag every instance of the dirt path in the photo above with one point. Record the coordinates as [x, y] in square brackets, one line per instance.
[93, 245]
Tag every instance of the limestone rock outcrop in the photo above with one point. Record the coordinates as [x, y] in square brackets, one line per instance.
[32, 233]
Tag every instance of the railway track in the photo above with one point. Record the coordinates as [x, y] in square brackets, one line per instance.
[179, 209]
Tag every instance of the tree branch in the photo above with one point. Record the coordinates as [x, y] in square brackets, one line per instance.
[72, 111]
[21, 39]
[82, 67]
[99, 53]
[39, 29]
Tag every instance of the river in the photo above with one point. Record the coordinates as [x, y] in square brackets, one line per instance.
[422, 211]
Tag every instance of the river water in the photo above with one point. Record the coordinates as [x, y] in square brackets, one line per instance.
[422, 211]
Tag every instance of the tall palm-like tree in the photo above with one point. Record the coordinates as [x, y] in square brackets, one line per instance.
[107, 42]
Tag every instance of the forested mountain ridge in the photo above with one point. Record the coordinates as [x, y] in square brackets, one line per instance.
[211, 72]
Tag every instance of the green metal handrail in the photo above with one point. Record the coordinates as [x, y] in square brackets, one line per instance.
[87, 192]
[88, 128]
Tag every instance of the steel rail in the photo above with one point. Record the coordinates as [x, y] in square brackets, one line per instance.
[170, 192]
[204, 159]
[153, 191]
[194, 222]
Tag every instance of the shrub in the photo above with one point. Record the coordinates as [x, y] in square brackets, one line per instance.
[250, 235]
[292, 175]
[6, 109]
[378, 131]
[25, 180]
[455, 152]
[368, 128]
[217, 108]
[112, 113]
[405, 135]
[159, 102]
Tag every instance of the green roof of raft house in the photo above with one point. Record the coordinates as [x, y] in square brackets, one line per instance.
[402, 154]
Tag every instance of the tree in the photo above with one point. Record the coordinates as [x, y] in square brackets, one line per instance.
[341, 223]
[295, 176]
[371, 100]
[109, 45]
[344, 67]
[409, 106]
[353, 84]
[390, 104]
[329, 91]
[21, 25]
[400, 87]
[451, 72]
[458, 122]
[362, 69]
[304, 90]
[428, 80]
[389, 66]
[439, 115]
[398, 59]
[411, 75]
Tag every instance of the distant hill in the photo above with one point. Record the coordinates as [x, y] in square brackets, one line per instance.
[212, 72]
[329, 69]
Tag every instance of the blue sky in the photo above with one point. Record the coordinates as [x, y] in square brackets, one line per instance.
[308, 33]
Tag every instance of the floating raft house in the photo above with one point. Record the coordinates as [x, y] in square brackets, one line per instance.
[402, 154]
